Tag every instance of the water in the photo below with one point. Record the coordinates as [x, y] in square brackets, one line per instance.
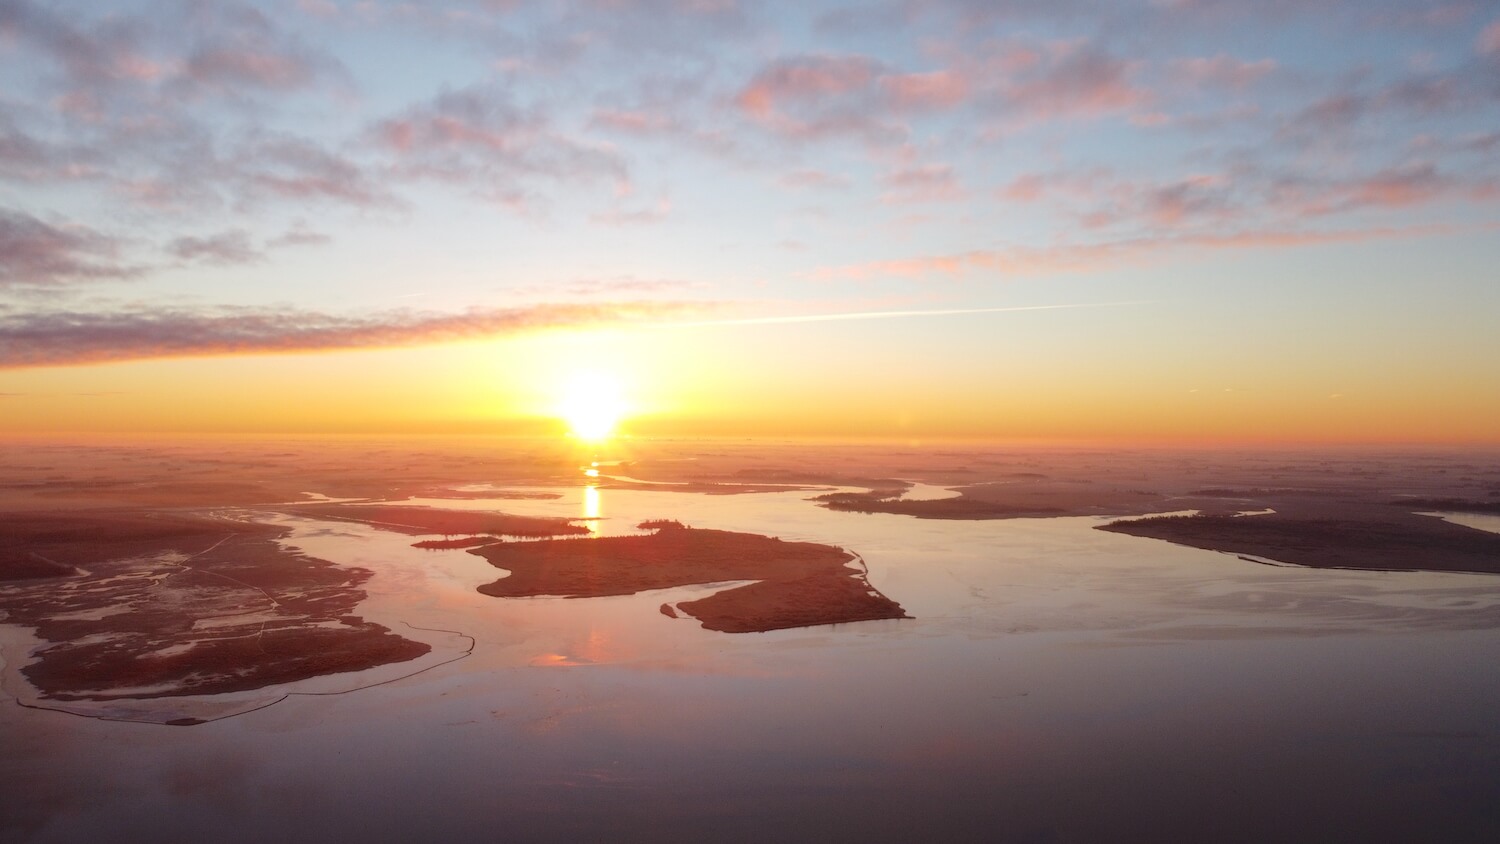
[1057, 683]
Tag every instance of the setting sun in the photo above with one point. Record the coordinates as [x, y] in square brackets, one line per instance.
[592, 404]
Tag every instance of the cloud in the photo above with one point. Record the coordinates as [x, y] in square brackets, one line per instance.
[34, 253]
[94, 56]
[319, 8]
[805, 78]
[1247, 193]
[479, 137]
[625, 285]
[60, 338]
[24, 157]
[225, 248]
[287, 167]
[921, 183]
[813, 95]
[113, 66]
[239, 50]
[1065, 80]
[1488, 43]
[299, 235]
[227, 66]
[632, 121]
[1455, 92]
[1068, 258]
[1099, 197]
[812, 179]
[116, 102]
[821, 95]
[1409, 185]
[1194, 200]
[1222, 71]
[656, 213]
[920, 91]
[666, 114]
[848, 316]
[1395, 188]
[1034, 187]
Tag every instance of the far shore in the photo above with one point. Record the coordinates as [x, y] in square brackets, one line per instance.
[1398, 542]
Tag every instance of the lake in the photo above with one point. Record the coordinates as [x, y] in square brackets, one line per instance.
[1056, 683]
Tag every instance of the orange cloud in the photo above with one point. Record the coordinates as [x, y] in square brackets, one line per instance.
[60, 338]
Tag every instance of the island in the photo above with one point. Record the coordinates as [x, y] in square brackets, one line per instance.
[796, 584]
[146, 604]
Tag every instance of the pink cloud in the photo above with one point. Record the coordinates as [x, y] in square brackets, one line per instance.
[1398, 188]
[1028, 187]
[1222, 70]
[1392, 188]
[292, 168]
[805, 78]
[27, 158]
[476, 137]
[668, 114]
[318, 8]
[921, 183]
[224, 248]
[235, 66]
[1489, 40]
[35, 253]
[1151, 119]
[934, 90]
[657, 212]
[1192, 198]
[635, 122]
[1033, 187]
[1019, 82]
[1438, 15]
[1244, 194]
[1081, 82]
[299, 235]
[823, 95]
[1191, 201]
[812, 179]
[1071, 258]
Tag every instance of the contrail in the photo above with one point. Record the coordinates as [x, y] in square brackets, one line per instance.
[775, 320]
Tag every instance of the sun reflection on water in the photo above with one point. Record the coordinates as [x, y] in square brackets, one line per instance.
[593, 509]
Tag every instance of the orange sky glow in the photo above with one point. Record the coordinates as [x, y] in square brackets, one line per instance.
[1184, 222]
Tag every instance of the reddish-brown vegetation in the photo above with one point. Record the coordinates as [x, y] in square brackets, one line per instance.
[798, 583]
[180, 605]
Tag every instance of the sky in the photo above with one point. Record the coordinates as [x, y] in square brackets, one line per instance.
[1162, 221]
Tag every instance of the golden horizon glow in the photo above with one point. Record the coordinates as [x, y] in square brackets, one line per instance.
[592, 403]
[689, 384]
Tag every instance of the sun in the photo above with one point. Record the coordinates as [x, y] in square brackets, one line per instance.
[592, 403]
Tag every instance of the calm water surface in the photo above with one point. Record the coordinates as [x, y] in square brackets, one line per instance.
[1057, 683]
